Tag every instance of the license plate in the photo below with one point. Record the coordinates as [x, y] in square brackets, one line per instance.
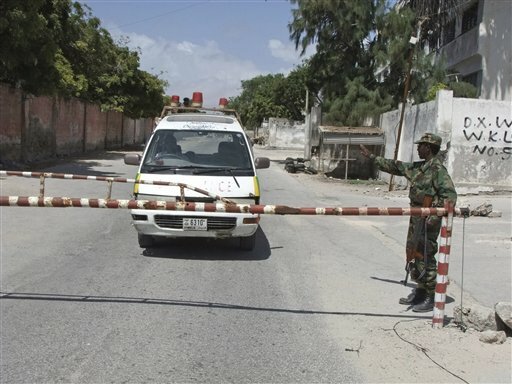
[192, 224]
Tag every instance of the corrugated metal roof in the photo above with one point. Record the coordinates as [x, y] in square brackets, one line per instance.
[351, 135]
[351, 130]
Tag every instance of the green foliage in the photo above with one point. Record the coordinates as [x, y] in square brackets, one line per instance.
[70, 84]
[271, 96]
[463, 89]
[29, 32]
[56, 47]
[358, 104]
[432, 92]
[340, 30]
[362, 54]
[460, 89]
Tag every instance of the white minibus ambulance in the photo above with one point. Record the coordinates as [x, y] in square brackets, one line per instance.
[206, 148]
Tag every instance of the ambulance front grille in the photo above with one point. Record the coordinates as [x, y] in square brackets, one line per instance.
[214, 223]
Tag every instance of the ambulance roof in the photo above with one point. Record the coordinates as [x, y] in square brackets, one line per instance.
[204, 121]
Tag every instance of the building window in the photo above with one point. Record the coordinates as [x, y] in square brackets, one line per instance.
[470, 18]
[449, 32]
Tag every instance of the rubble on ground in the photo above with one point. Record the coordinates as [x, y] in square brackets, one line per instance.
[493, 337]
[495, 324]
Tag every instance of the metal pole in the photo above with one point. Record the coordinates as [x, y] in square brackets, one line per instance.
[442, 267]
[402, 112]
[78, 202]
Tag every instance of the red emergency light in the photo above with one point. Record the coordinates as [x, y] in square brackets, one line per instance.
[197, 99]
[223, 103]
[175, 101]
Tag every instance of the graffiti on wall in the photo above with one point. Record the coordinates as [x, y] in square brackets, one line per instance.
[491, 137]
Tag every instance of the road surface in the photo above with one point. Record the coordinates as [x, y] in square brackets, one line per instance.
[316, 301]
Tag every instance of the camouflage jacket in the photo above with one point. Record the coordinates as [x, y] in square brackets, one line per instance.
[426, 178]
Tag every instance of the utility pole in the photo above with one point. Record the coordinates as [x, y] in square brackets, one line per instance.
[412, 43]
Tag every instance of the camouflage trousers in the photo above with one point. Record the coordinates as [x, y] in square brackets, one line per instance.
[422, 240]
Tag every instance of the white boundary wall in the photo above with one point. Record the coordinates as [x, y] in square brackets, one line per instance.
[284, 133]
[478, 134]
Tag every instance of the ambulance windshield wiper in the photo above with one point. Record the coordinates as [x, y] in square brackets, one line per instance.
[163, 168]
[220, 169]
[158, 168]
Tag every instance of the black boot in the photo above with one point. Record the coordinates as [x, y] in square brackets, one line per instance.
[426, 305]
[416, 296]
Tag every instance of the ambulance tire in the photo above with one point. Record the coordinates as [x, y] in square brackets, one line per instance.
[248, 243]
[145, 241]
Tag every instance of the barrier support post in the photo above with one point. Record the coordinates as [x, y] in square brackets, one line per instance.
[109, 192]
[41, 185]
[442, 267]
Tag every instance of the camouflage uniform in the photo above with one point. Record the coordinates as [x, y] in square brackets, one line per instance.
[427, 178]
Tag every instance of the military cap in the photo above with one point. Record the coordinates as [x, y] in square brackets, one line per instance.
[429, 138]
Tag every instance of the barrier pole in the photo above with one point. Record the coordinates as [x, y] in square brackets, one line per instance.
[41, 185]
[77, 202]
[442, 267]
[110, 180]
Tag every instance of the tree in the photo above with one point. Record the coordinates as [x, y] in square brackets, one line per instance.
[362, 51]
[344, 33]
[56, 47]
[29, 35]
[340, 30]
[271, 96]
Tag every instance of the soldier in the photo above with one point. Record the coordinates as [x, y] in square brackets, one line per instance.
[431, 186]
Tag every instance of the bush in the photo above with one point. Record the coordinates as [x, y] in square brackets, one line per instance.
[431, 94]
[463, 89]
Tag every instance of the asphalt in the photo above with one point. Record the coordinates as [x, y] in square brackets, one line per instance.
[480, 259]
[481, 256]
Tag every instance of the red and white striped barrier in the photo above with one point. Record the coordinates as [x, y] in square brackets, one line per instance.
[68, 176]
[442, 268]
[225, 205]
[446, 230]
[63, 202]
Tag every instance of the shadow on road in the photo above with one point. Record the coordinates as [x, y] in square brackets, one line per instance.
[209, 249]
[449, 299]
[186, 303]
[83, 165]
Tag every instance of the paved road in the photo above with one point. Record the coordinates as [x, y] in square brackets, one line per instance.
[314, 302]
[480, 257]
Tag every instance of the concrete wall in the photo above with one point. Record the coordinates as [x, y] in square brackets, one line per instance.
[481, 151]
[38, 136]
[41, 128]
[477, 132]
[69, 126]
[284, 133]
[10, 115]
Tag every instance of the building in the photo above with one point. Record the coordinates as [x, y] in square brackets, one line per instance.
[475, 42]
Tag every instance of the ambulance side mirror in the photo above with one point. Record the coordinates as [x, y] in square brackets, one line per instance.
[132, 159]
[262, 162]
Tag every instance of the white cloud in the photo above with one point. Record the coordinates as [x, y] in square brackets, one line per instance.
[287, 52]
[190, 67]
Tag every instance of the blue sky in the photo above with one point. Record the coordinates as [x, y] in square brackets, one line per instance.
[208, 46]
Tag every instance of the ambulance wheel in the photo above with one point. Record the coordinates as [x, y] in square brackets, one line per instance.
[145, 241]
[248, 243]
